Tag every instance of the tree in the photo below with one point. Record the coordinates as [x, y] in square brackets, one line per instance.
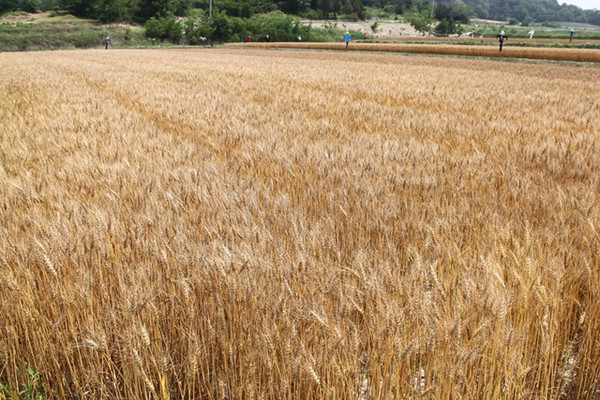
[153, 8]
[46, 5]
[165, 28]
[235, 8]
[221, 27]
[593, 17]
[420, 21]
[457, 12]
[446, 27]
[80, 8]
[196, 28]
[6, 5]
[27, 5]
[115, 10]
[327, 7]
[181, 7]
[20, 5]
[294, 6]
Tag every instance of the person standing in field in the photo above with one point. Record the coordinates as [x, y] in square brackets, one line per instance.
[571, 35]
[268, 38]
[299, 38]
[347, 39]
[107, 41]
[501, 38]
[531, 32]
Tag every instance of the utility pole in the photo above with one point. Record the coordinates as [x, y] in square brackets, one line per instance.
[431, 17]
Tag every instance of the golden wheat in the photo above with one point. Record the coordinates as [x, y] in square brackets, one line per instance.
[229, 223]
[559, 54]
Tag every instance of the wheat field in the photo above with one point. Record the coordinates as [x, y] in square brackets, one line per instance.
[281, 224]
[433, 46]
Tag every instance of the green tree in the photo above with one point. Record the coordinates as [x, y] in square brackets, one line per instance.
[47, 5]
[181, 7]
[6, 5]
[457, 12]
[20, 5]
[115, 10]
[164, 28]
[236, 8]
[445, 27]
[221, 28]
[27, 5]
[294, 6]
[153, 8]
[80, 8]
[420, 20]
[196, 28]
[279, 26]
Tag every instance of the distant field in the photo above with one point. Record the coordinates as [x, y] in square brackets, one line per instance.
[442, 47]
[281, 224]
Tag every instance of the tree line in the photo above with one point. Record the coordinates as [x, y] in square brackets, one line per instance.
[140, 11]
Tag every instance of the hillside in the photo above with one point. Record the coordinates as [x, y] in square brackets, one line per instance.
[139, 11]
[531, 10]
[50, 31]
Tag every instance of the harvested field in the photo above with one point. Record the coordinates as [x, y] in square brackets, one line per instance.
[232, 223]
[558, 54]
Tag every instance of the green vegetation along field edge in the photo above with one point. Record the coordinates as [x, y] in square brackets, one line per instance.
[50, 31]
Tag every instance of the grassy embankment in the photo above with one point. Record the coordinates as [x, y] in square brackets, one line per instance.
[21, 32]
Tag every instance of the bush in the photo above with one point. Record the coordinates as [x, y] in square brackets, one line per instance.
[279, 26]
[420, 21]
[445, 27]
[195, 29]
[86, 39]
[375, 26]
[221, 28]
[527, 21]
[165, 28]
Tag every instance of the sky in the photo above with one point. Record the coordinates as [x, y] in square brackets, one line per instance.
[585, 4]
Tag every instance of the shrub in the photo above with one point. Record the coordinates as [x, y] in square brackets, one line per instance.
[420, 21]
[165, 28]
[195, 29]
[279, 26]
[87, 39]
[446, 27]
[221, 28]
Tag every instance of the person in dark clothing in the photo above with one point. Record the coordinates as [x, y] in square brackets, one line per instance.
[501, 38]
[107, 41]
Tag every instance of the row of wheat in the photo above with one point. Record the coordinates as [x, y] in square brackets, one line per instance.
[537, 53]
[548, 41]
[224, 224]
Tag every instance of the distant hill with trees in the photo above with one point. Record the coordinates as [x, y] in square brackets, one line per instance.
[140, 11]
